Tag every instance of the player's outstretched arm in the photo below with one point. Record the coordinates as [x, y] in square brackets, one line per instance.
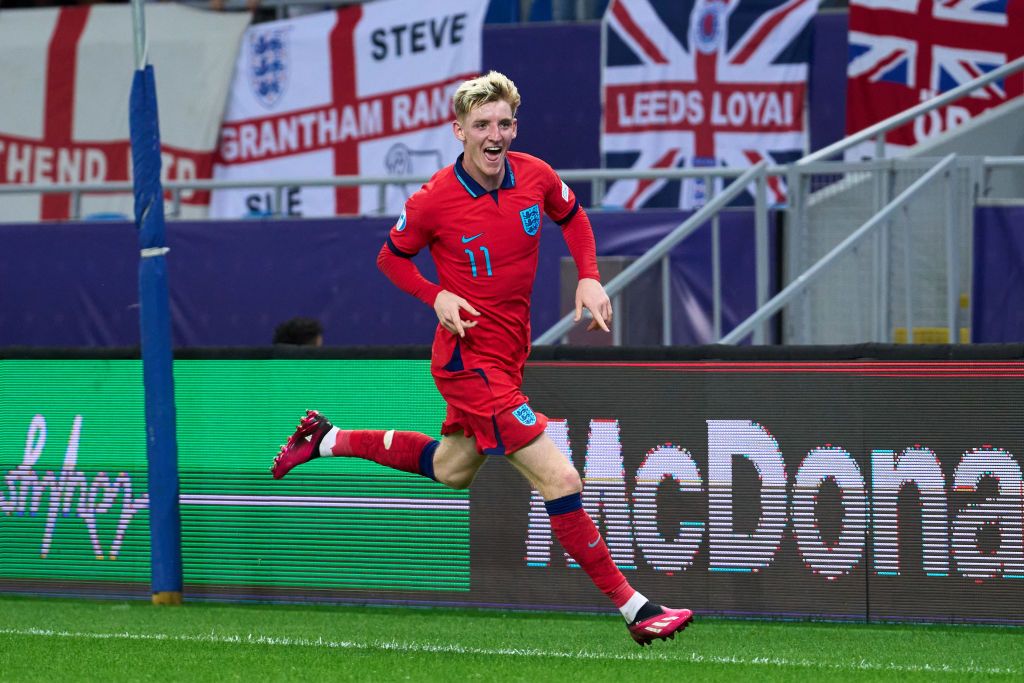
[449, 307]
[590, 294]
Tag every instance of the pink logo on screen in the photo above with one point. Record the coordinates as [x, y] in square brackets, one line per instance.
[69, 492]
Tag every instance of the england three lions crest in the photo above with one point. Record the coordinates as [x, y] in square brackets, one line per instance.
[525, 415]
[268, 65]
[531, 219]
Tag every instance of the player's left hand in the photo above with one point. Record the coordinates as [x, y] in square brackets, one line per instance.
[590, 294]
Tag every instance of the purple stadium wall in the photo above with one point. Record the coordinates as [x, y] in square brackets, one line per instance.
[75, 284]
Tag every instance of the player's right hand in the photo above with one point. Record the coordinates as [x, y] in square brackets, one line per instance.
[449, 307]
[590, 295]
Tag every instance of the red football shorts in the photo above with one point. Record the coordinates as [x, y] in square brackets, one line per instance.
[485, 403]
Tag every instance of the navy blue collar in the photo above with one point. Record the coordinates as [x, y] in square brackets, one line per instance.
[474, 188]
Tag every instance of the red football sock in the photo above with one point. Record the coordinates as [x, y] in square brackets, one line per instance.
[576, 532]
[405, 451]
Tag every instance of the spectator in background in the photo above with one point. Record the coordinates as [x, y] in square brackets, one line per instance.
[250, 6]
[300, 331]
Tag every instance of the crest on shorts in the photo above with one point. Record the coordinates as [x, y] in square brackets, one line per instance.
[531, 220]
[525, 414]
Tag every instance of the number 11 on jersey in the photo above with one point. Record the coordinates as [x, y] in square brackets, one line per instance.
[472, 260]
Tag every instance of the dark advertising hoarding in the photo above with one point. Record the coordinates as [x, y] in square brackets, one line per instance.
[837, 489]
[865, 490]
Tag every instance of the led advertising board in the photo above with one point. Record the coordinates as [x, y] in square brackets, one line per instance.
[838, 489]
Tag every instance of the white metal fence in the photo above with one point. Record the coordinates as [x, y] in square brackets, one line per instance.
[883, 288]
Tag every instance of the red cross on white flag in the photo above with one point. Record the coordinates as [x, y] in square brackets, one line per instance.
[364, 90]
[67, 75]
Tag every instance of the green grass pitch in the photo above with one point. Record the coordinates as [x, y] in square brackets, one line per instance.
[74, 640]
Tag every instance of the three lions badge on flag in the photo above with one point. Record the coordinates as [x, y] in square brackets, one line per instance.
[364, 90]
[704, 83]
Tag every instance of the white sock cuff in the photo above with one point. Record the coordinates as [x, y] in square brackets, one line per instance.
[328, 442]
[633, 606]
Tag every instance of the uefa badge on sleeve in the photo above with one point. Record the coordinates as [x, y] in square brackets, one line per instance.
[531, 219]
[400, 223]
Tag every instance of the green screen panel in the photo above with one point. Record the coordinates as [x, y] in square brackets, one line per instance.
[72, 453]
[74, 501]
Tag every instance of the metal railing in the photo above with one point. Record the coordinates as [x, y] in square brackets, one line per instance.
[660, 252]
[816, 216]
[878, 130]
[795, 173]
[176, 187]
[802, 281]
[598, 179]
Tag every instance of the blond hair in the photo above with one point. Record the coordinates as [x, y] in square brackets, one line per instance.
[491, 87]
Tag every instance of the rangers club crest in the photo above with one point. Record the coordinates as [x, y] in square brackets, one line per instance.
[531, 220]
[708, 27]
[268, 65]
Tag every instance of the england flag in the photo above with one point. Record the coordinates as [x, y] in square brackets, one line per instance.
[363, 90]
[66, 79]
[701, 84]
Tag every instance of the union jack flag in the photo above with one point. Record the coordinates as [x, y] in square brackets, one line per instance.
[702, 83]
[905, 51]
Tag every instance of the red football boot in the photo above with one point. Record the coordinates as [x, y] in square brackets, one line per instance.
[661, 626]
[303, 445]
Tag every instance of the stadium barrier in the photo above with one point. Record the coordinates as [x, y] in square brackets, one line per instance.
[230, 285]
[863, 483]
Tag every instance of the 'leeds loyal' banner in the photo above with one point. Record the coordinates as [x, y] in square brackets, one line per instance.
[903, 52]
[702, 84]
[65, 81]
[365, 90]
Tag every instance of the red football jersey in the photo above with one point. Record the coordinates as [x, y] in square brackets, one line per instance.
[485, 246]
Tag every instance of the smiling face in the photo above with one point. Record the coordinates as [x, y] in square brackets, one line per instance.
[486, 133]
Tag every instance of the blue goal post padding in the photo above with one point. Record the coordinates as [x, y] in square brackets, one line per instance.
[155, 323]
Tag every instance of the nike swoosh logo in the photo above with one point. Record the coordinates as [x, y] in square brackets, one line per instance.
[595, 542]
[467, 240]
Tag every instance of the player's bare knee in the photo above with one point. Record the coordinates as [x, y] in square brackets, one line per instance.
[457, 480]
[567, 481]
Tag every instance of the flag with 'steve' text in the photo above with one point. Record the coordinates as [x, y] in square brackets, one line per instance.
[363, 90]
